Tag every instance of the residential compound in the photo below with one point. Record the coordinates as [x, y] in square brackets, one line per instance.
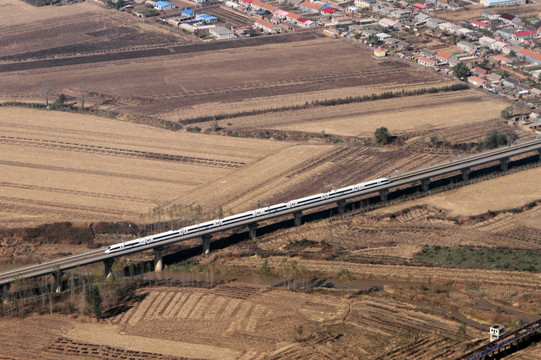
[501, 49]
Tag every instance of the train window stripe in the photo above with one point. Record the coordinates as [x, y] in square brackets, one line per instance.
[238, 218]
[166, 235]
[308, 200]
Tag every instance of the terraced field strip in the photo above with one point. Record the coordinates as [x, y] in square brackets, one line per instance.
[191, 302]
[202, 306]
[174, 305]
[162, 304]
[142, 308]
[230, 308]
[215, 311]
[417, 273]
[175, 311]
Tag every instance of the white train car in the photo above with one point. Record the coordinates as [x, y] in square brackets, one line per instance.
[245, 216]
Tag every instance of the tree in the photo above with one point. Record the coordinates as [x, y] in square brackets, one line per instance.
[283, 270]
[512, 54]
[266, 271]
[93, 300]
[293, 272]
[382, 136]
[372, 39]
[119, 4]
[461, 71]
[60, 100]
[485, 65]
[507, 112]
[461, 332]
[494, 139]
[46, 89]
[344, 276]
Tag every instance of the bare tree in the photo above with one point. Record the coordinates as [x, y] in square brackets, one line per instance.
[84, 92]
[46, 89]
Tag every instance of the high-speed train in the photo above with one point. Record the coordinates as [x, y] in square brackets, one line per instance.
[245, 215]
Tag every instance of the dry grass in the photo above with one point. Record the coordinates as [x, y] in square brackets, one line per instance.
[505, 192]
[416, 113]
[60, 166]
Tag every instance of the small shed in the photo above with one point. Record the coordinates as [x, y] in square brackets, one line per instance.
[496, 331]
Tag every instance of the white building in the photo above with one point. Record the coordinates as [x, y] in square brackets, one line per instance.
[488, 3]
[496, 331]
[164, 5]
[220, 32]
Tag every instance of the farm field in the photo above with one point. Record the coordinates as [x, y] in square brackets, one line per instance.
[475, 10]
[238, 321]
[400, 115]
[83, 28]
[110, 54]
[59, 166]
[479, 198]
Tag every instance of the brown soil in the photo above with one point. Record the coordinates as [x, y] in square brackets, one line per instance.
[218, 323]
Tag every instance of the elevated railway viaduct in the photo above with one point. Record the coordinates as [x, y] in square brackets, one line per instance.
[463, 166]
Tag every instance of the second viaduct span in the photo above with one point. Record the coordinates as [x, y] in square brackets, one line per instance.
[423, 175]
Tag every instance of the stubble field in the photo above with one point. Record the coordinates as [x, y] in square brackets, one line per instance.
[61, 166]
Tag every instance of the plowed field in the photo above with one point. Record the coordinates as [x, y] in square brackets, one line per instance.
[237, 321]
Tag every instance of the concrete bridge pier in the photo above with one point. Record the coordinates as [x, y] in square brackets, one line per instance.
[206, 243]
[504, 164]
[383, 194]
[158, 259]
[342, 206]
[108, 265]
[57, 281]
[466, 174]
[297, 218]
[252, 228]
[425, 183]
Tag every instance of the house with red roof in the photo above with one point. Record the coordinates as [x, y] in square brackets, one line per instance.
[479, 24]
[266, 26]
[502, 59]
[304, 22]
[327, 11]
[530, 55]
[419, 6]
[426, 61]
[292, 17]
[523, 35]
[509, 18]
[281, 14]
[268, 7]
[310, 7]
[257, 4]
[477, 71]
[476, 81]
[443, 57]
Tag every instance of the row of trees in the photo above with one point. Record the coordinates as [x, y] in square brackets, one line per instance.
[39, 295]
[294, 275]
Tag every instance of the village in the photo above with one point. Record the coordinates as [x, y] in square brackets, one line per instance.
[497, 51]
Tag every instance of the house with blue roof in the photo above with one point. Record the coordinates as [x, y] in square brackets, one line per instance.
[206, 19]
[164, 5]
